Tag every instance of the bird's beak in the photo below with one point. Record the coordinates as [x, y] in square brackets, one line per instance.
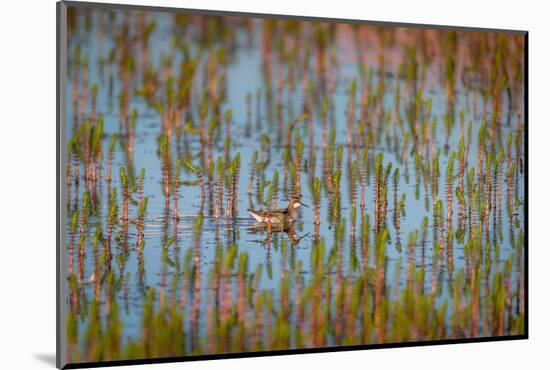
[305, 205]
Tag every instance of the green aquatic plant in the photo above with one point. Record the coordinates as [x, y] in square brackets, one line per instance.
[166, 163]
[110, 156]
[268, 199]
[93, 97]
[142, 209]
[176, 182]
[275, 185]
[316, 191]
[235, 171]
[73, 168]
[125, 190]
[210, 149]
[253, 167]
[198, 174]
[292, 180]
[351, 112]
[395, 187]
[378, 190]
[74, 225]
[85, 214]
[450, 181]
[219, 186]
[296, 189]
[450, 65]
[228, 115]
[364, 173]
[96, 146]
[112, 219]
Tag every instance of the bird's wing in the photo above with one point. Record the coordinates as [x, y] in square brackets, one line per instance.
[258, 216]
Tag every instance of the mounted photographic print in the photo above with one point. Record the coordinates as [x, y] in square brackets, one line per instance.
[235, 184]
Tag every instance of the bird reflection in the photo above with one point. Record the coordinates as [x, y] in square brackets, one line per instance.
[260, 228]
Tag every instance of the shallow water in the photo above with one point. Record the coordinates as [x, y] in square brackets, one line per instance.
[164, 266]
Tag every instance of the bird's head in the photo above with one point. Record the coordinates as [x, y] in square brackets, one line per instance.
[295, 203]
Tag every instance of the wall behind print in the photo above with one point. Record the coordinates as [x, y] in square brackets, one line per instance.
[27, 186]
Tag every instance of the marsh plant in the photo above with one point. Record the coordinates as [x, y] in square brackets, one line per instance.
[408, 145]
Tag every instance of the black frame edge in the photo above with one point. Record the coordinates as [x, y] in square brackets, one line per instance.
[526, 178]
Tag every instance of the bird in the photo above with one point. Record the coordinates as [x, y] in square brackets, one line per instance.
[279, 217]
